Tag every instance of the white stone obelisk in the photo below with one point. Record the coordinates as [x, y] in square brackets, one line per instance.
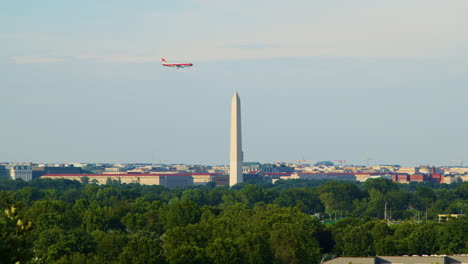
[236, 155]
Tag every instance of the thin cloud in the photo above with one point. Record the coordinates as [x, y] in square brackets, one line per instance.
[118, 58]
[255, 46]
[28, 60]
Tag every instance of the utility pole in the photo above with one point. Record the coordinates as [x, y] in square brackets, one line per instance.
[385, 211]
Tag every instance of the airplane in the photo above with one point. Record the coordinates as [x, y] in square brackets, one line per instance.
[177, 65]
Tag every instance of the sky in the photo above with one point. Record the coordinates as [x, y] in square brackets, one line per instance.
[81, 81]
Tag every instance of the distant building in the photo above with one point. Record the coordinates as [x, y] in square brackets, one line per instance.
[253, 167]
[456, 170]
[451, 179]
[4, 172]
[160, 169]
[400, 260]
[221, 180]
[166, 180]
[175, 180]
[114, 170]
[324, 163]
[23, 172]
[219, 169]
[254, 177]
[39, 171]
[407, 170]
[401, 177]
[117, 172]
[203, 178]
[463, 178]
[362, 177]
[323, 176]
[446, 217]
[418, 177]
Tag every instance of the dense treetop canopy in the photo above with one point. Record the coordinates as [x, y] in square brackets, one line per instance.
[293, 221]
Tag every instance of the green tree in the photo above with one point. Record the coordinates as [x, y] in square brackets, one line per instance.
[182, 213]
[355, 241]
[381, 234]
[214, 196]
[224, 251]
[380, 184]
[96, 218]
[462, 191]
[293, 243]
[422, 240]
[76, 258]
[53, 244]
[452, 236]
[256, 247]
[424, 198]
[143, 248]
[48, 214]
[14, 233]
[134, 221]
[304, 198]
[186, 244]
[252, 194]
[195, 195]
[28, 195]
[109, 245]
[337, 196]
[376, 204]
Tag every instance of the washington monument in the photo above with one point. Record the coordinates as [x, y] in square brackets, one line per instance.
[236, 159]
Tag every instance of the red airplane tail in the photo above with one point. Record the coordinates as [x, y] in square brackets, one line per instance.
[164, 60]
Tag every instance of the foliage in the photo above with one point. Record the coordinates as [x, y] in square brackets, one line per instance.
[81, 222]
[13, 232]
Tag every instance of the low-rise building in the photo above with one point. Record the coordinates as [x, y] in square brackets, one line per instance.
[418, 177]
[407, 170]
[43, 170]
[221, 180]
[451, 179]
[166, 180]
[4, 172]
[463, 178]
[324, 176]
[401, 177]
[23, 172]
[400, 260]
[456, 170]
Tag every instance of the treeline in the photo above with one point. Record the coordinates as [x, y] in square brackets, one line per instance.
[62, 221]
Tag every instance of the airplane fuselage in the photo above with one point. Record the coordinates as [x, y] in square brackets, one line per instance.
[178, 65]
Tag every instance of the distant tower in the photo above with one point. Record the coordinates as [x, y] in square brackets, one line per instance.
[236, 159]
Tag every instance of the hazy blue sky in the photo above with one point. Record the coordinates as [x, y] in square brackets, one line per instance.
[80, 81]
